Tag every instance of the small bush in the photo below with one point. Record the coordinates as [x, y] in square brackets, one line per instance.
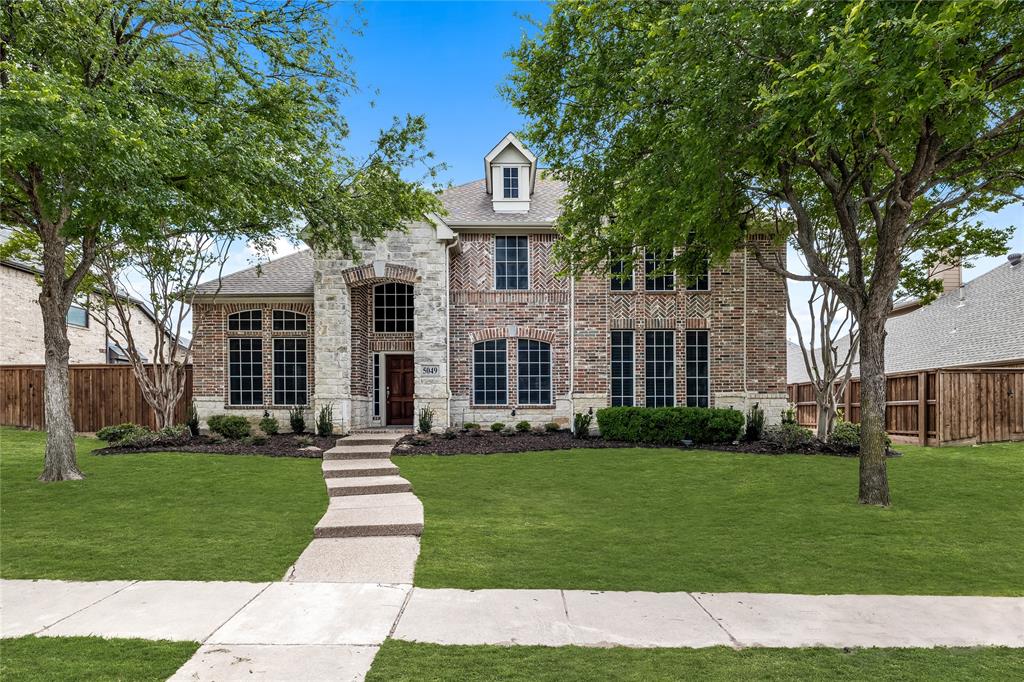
[193, 419]
[845, 435]
[112, 434]
[508, 431]
[297, 419]
[471, 426]
[755, 422]
[789, 436]
[670, 425]
[325, 420]
[269, 425]
[255, 439]
[179, 433]
[140, 437]
[426, 419]
[420, 440]
[498, 427]
[450, 434]
[303, 441]
[581, 424]
[789, 415]
[552, 427]
[231, 426]
[523, 426]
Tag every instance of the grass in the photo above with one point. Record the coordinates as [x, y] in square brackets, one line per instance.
[161, 516]
[41, 659]
[670, 520]
[399, 661]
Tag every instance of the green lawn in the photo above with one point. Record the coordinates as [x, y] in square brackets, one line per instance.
[42, 659]
[399, 661]
[162, 516]
[667, 520]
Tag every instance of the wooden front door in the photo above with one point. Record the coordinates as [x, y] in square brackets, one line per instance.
[399, 389]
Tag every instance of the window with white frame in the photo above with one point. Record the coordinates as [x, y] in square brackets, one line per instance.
[77, 316]
[534, 371]
[510, 182]
[660, 366]
[623, 370]
[490, 373]
[511, 262]
[698, 369]
[289, 371]
[245, 371]
[622, 275]
[657, 262]
[393, 307]
[288, 321]
[246, 321]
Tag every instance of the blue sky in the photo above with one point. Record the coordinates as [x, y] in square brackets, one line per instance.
[445, 60]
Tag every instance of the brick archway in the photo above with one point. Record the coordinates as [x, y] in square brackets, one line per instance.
[514, 332]
[377, 272]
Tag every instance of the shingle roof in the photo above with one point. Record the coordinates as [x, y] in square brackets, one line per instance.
[470, 204]
[984, 328]
[290, 275]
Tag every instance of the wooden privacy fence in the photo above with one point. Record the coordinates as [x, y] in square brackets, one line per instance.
[937, 407]
[101, 395]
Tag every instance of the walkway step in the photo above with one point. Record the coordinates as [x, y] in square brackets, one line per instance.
[358, 560]
[367, 485]
[374, 501]
[350, 468]
[370, 522]
[358, 452]
[370, 439]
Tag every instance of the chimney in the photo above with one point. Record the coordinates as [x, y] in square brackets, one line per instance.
[951, 276]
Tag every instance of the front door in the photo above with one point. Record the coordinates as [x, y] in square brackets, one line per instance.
[399, 389]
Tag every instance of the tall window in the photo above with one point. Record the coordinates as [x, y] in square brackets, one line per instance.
[392, 307]
[289, 371]
[490, 373]
[78, 316]
[660, 363]
[510, 182]
[622, 369]
[376, 384]
[657, 261]
[246, 321]
[245, 371]
[622, 275]
[698, 389]
[534, 372]
[289, 321]
[698, 282]
[511, 262]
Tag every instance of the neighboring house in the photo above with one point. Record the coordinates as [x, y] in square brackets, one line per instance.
[21, 322]
[464, 314]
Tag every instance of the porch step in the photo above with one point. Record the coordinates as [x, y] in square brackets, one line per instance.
[367, 485]
[358, 452]
[370, 522]
[383, 438]
[351, 468]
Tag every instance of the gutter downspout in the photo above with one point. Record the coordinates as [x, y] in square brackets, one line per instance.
[572, 353]
[448, 323]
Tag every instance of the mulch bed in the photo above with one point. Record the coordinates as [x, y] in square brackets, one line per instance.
[280, 445]
[816, 447]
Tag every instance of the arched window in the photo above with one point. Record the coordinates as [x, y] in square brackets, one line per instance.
[246, 321]
[289, 321]
[392, 307]
[490, 373]
[534, 372]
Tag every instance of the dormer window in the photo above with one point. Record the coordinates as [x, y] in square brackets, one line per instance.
[510, 182]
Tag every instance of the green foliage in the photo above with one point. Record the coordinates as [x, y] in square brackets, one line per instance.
[755, 423]
[269, 425]
[450, 433]
[303, 441]
[789, 415]
[193, 419]
[788, 436]
[497, 426]
[581, 424]
[670, 425]
[425, 419]
[471, 426]
[508, 431]
[523, 426]
[112, 434]
[847, 435]
[231, 426]
[297, 419]
[255, 439]
[552, 427]
[325, 420]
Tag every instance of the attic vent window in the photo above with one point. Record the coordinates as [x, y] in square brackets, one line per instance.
[510, 182]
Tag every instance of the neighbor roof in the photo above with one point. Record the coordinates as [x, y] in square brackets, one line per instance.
[290, 275]
[983, 328]
[470, 205]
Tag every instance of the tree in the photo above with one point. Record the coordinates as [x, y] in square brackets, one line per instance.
[894, 123]
[220, 117]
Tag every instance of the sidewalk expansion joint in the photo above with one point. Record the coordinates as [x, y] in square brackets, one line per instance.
[237, 611]
[735, 642]
[89, 606]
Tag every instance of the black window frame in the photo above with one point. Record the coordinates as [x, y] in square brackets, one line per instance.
[654, 260]
[534, 372]
[488, 357]
[619, 283]
[698, 368]
[394, 308]
[519, 280]
[288, 321]
[246, 321]
[660, 368]
[700, 282]
[622, 387]
[245, 352]
[285, 395]
[510, 182]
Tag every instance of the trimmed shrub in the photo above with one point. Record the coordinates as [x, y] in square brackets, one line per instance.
[552, 427]
[297, 420]
[789, 415]
[268, 424]
[303, 441]
[755, 423]
[523, 426]
[670, 425]
[255, 439]
[508, 431]
[847, 435]
[471, 426]
[325, 420]
[231, 426]
[788, 436]
[193, 419]
[581, 424]
[112, 434]
[497, 427]
[426, 419]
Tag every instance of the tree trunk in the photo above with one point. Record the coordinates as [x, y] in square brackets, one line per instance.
[874, 481]
[60, 462]
[826, 414]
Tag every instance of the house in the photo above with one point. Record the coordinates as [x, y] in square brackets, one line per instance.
[465, 314]
[92, 341]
